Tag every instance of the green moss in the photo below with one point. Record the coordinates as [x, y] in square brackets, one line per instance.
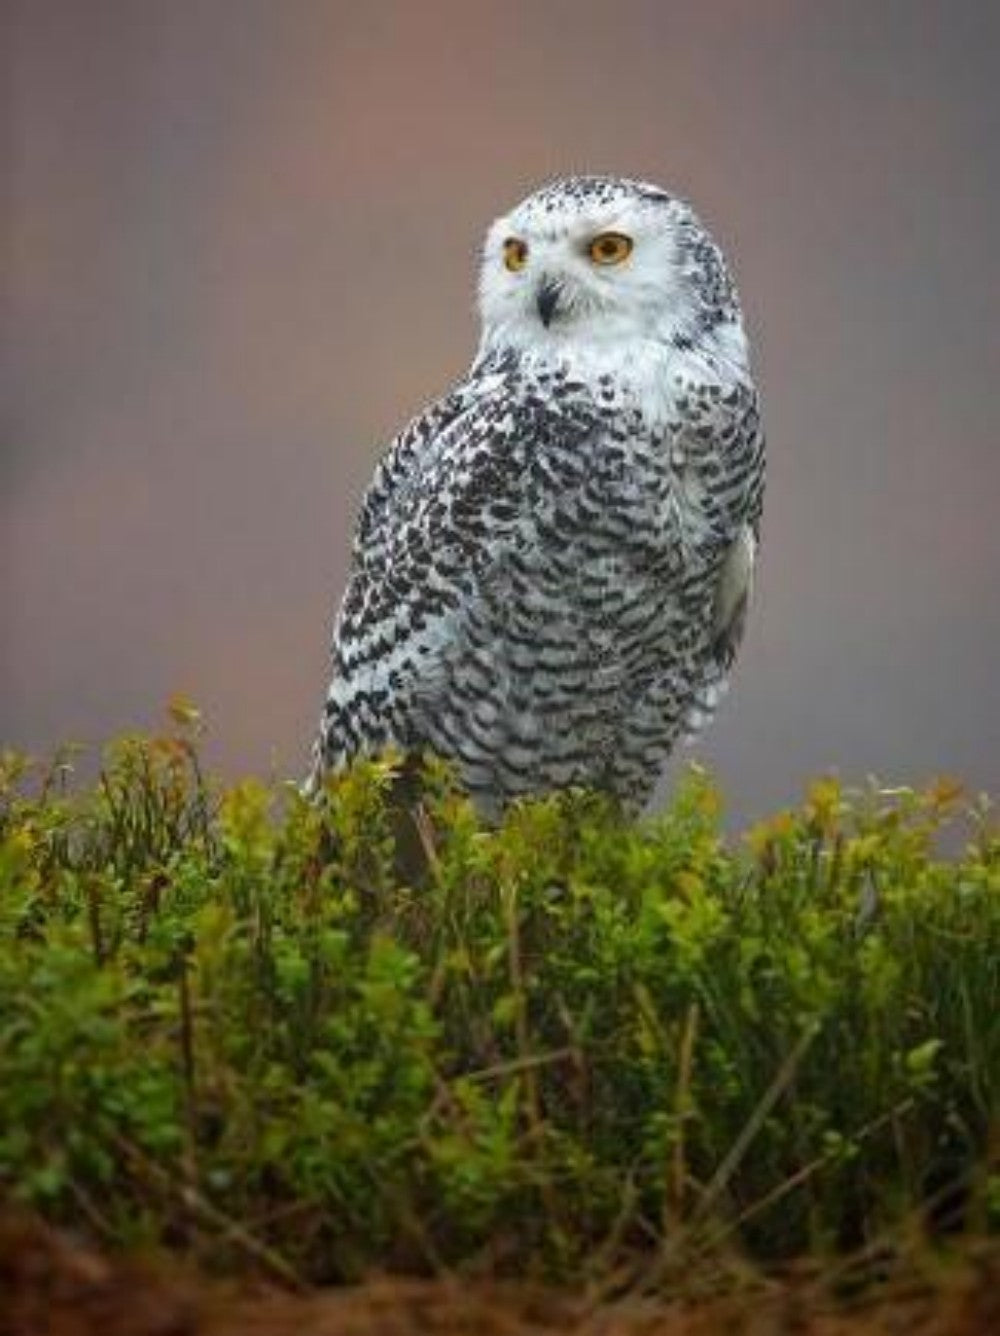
[225, 1024]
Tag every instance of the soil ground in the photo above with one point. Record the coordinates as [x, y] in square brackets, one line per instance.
[52, 1286]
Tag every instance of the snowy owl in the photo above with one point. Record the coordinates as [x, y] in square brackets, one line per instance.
[552, 564]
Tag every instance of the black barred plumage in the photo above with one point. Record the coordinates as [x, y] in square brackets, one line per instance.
[552, 564]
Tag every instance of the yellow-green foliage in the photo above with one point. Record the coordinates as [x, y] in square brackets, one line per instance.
[224, 1024]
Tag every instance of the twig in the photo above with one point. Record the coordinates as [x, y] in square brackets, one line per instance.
[731, 1161]
[521, 1064]
[528, 1067]
[94, 919]
[801, 1176]
[425, 834]
[673, 1200]
[733, 1157]
[230, 1230]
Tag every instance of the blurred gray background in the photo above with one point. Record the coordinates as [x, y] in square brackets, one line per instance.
[240, 247]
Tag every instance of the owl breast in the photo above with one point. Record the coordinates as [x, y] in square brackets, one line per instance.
[575, 660]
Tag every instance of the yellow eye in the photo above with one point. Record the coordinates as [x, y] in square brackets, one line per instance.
[610, 248]
[515, 254]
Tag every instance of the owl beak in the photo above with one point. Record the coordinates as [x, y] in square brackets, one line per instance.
[547, 300]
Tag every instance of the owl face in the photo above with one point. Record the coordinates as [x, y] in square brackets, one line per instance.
[591, 260]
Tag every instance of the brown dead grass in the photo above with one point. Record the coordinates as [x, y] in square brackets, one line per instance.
[51, 1286]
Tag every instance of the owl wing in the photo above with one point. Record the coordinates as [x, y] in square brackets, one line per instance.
[397, 466]
[721, 429]
[444, 510]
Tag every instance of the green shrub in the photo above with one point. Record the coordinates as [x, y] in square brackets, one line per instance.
[227, 1024]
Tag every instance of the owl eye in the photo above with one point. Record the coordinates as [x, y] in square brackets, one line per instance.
[515, 254]
[610, 248]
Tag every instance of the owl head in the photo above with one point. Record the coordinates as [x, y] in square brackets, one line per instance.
[598, 260]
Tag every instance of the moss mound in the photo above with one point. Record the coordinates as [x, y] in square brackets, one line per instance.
[577, 1046]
